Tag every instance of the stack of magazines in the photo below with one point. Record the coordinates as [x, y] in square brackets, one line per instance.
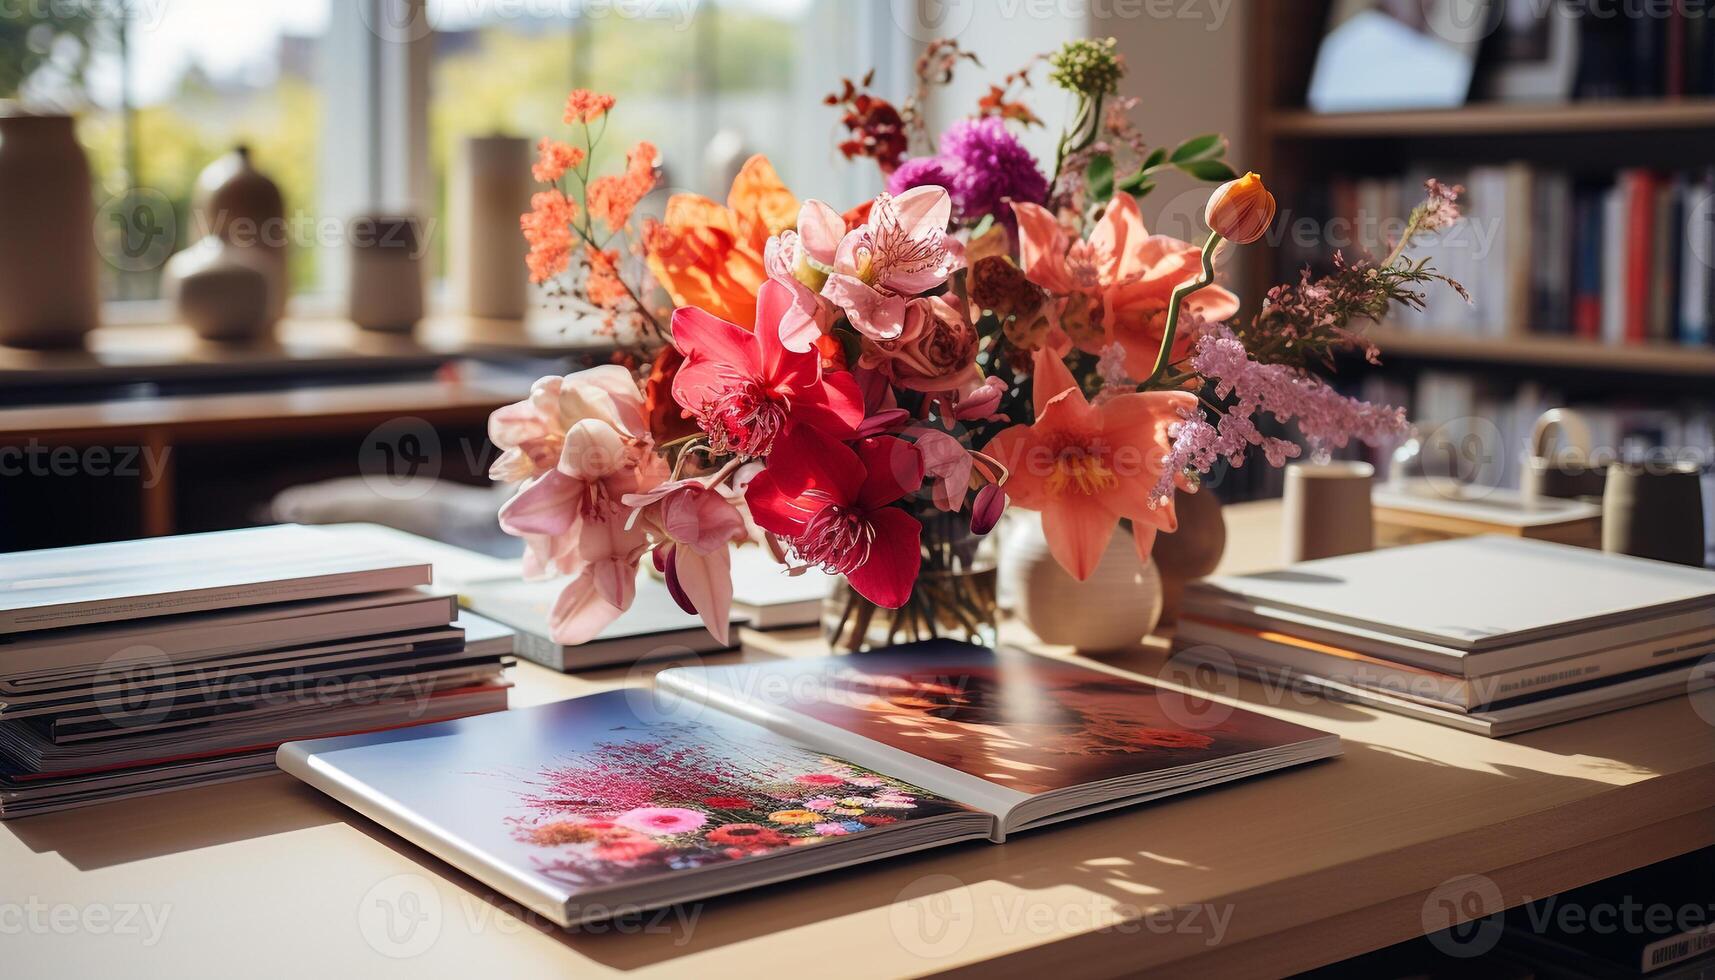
[1493, 635]
[138, 667]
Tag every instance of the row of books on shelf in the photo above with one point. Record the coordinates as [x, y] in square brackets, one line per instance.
[1626, 258]
[1667, 52]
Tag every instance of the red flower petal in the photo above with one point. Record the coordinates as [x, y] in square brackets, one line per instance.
[886, 578]
[893, 469]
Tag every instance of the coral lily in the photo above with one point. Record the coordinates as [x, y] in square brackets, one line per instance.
[830, 504]
[711, 257]
[744, 386]
[1115, 286]
[1087, 466]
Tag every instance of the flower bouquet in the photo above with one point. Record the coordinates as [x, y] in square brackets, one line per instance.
[864, 391]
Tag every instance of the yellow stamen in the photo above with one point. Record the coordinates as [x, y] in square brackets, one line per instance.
[1086, 473]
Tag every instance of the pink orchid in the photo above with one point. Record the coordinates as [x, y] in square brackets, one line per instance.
[744, 386]
[532, 433]
[609, 554]
[699, 525]
[1115, 286]
[1086, 466]
[947, 464]
[832, 503]
[902, 250]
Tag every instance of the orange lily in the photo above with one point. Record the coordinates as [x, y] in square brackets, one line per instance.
[709, 256]
[1087, 466]
[1115, 286]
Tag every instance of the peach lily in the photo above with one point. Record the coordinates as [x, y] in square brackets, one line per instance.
[1115, 286]
[1086, 466]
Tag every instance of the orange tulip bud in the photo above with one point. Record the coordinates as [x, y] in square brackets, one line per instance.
[1240, 210]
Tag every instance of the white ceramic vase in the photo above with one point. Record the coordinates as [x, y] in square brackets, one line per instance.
[1117, 606]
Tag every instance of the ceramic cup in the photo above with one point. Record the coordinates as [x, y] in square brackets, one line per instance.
[1564, 472]
[386, 287]
[1327, 510]
[1654, 510]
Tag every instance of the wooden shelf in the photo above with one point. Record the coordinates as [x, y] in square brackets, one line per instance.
[1498, 119]
[1552, 352]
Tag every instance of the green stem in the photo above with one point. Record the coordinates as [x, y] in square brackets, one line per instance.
[1180, 294]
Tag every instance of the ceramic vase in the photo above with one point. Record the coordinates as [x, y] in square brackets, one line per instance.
[490, 188]
[1116, 607]
[386, 281]
[49, 291]
[1192, 551]
[221, 291]
[242, 206]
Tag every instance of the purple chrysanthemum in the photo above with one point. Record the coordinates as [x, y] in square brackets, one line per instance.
[993, 167]
[923, 171]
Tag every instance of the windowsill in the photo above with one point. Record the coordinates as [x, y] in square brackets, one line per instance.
[309, 347]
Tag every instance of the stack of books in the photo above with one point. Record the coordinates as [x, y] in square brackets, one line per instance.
[143, 666]
[1492, 635]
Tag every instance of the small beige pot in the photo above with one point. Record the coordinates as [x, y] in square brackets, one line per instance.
[1116, 607]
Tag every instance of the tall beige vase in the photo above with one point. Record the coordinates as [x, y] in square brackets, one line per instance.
[49, 291]
[491, 188]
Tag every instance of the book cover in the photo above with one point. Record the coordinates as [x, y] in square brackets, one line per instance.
[625, 800]
[97, 583]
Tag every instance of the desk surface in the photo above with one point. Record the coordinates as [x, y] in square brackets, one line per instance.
[1265, 877]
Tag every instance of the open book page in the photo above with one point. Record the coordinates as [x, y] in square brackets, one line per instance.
[1025, 737]
[625, 800]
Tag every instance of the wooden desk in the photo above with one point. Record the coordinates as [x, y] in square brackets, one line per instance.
[1261, 878]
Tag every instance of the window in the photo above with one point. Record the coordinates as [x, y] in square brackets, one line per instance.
[182, 82]
[350, 106]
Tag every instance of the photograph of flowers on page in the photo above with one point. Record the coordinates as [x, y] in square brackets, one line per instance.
[864, 387]
[633, 801]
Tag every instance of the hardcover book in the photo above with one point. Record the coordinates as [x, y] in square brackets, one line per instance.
[98, 583]
[633, 798]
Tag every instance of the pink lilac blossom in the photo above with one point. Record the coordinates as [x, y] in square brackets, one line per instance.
[1441, 209]
[1324, 416]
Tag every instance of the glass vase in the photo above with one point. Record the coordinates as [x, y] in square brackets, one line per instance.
[953, 597]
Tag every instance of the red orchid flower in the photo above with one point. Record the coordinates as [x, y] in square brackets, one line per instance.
[743, 386]
[830, 502]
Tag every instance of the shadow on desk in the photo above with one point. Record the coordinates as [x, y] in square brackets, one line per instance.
[170, 823]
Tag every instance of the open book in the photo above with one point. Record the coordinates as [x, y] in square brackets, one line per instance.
[756, 773]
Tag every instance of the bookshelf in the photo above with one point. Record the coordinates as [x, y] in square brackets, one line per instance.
[1598, 117]
[1295, 148]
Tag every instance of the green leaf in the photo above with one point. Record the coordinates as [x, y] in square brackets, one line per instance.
[1210, 170]
[1099, 178]
[1137, 184]
[982, 227]
[1156, 158]
[1205, 147]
